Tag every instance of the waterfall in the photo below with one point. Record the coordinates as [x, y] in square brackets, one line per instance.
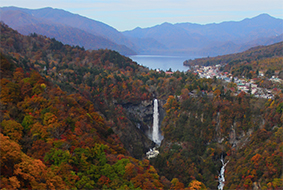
[155, 131]
[156, 136]
[221, 175]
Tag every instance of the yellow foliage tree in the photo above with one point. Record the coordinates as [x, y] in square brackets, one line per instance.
[12, 129]
[196, 185]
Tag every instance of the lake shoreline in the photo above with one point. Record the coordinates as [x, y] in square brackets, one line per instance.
[163, 62]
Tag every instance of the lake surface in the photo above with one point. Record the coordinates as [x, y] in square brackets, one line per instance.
[162, 62]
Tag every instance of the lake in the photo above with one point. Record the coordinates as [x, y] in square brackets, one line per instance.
[162, 62]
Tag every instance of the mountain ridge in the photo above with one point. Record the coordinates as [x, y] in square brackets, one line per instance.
[81, 37]
[166, 38]
[59, 16]
[214, 34]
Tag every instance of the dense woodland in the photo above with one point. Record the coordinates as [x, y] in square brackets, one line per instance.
[64, 123]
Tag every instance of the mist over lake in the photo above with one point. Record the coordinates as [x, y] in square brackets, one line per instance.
[162, 62]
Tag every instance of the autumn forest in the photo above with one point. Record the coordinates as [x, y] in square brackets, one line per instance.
[72, 119]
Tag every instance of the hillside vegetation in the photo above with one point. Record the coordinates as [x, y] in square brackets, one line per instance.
[56, 139]
[66, 123]
[253, 54]
[264, 59]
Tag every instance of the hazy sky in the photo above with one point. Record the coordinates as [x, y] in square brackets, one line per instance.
[129, 14]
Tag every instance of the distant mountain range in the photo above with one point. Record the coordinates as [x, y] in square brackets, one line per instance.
[213, 39]
[169, 39]
[66, 27]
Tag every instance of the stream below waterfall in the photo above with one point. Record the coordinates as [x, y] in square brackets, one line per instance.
[221, 177]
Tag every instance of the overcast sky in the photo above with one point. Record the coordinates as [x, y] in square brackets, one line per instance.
[129, 14]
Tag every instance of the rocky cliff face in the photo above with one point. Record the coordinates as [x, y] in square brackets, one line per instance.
[134, 140]
[141, 114]
[138, 140]
[135, 135]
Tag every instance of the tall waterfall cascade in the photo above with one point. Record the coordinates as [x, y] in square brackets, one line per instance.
[156, 136]
[155, 128]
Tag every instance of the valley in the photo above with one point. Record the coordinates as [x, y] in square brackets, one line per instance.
[73, 118]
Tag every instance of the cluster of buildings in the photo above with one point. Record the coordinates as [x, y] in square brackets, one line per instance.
[248, 86]
[252, 88]
[211, 72]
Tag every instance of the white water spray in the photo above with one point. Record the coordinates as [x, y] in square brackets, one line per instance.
[155, 131]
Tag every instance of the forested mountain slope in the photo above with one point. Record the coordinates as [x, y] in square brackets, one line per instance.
[56, 139]
[65, 111]
[66, 27]
[75, 69]
[267, 60]
[52, 140]
[253, 54]
[198, 131]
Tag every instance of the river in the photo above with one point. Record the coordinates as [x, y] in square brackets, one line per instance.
[221, 176]
[162, 62]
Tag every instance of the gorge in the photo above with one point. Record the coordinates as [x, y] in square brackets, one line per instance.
[89, 118]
